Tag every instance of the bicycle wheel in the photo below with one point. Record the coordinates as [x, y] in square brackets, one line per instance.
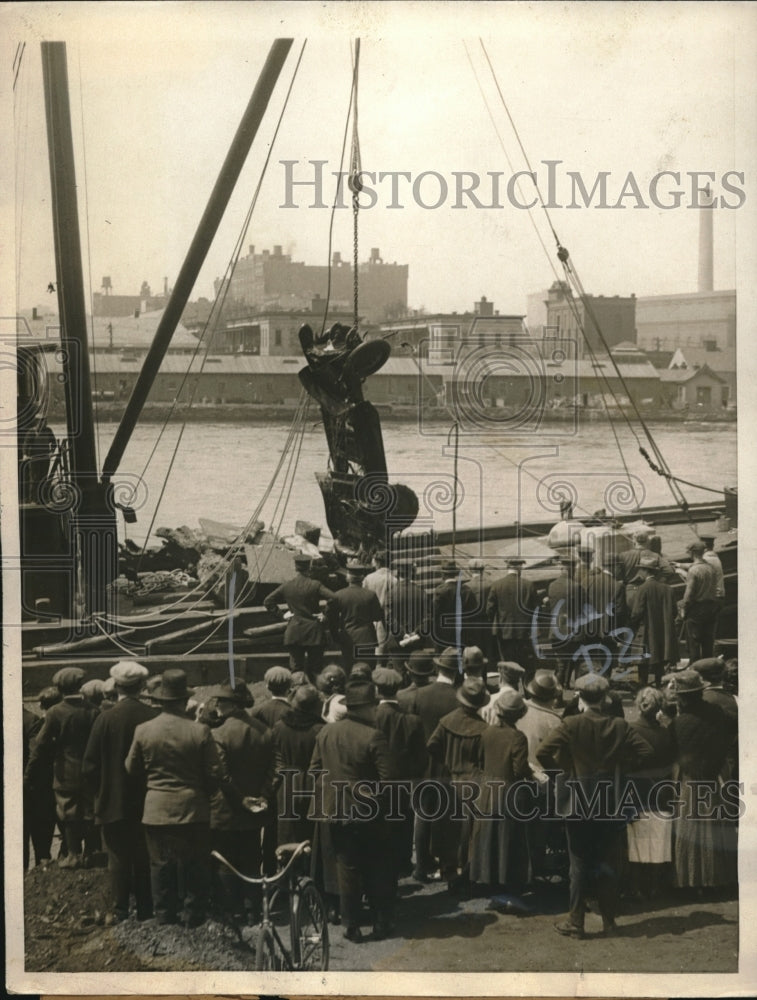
[269, 955]
[311, 929]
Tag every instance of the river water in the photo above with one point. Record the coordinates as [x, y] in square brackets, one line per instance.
[222, 471]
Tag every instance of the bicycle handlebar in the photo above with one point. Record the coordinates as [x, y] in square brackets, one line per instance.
[303, 848]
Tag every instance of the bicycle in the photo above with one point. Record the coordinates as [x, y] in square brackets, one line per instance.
[308, 925]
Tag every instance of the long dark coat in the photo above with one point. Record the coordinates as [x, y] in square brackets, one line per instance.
[294, 737]
[498, 850]
[445, 613]
[510, 604]
[246, 751]
[655, 610]
[406, 738]
[117, 796]
[63, 739]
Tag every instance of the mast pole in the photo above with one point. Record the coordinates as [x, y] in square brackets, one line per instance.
[198, 250]
[95, 542]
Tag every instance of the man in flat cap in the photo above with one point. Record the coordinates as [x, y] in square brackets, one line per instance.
[453, 610]
[62, 740]
[239, 809]
[347, 752]
[278, 680]
[305, 635]
[119, 800]
[511, 604]
[352, 613]
[592, 750]
[700, 607]
[177, 761]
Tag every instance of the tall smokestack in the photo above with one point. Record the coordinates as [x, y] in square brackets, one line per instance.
[705, 240]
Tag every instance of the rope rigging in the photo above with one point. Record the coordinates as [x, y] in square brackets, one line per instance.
[573, 280]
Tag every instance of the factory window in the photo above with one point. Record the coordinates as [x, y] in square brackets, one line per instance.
[277, 338]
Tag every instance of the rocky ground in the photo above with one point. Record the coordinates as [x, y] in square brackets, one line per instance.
[65, 932]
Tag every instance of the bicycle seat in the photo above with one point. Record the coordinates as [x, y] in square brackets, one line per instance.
[285, 851]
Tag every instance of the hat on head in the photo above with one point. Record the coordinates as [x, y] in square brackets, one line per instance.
[649, 700]
[473, 660]
[642, 535]
[301, 560]
[109, 686]
[360, 671]
[510, 702]
[448, 661]
[152, 682]
[569, 557]
[421, 663]
[476, 564]
[278, 677]
[243, 694]
[355, 568]
[359, 693]
[299, 678]
[688, 681]
[48, 697]
[592, 688]
[473, 693]
[69, 680]
[514, 561]
[510, 668]
[225, 692]
[492, 681]
[93, 689]
[129, 673]
[696, 546]
[543, 685]
[585, 549]
[173, 686]
[386, 677]
[306, 699]
[710, 669]
[449, 568]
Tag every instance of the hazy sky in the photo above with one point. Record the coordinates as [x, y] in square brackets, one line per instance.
[158, 90]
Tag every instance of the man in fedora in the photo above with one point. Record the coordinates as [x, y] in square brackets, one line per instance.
[352, 613]
[455, 746]
[421, 670]
[655, 611]
[509, 677]
[699, 607]
[349, 751]
[453, 610]
[539, 721]
[177, 761]
[407, 743]
[61, 742]
[511, 603]
[239, 809]
[431, 703]
[119, 800]
[305, 635]
[593, 750]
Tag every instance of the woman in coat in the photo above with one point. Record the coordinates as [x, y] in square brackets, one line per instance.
[704, 845]
[655, 610]
[499, 851]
